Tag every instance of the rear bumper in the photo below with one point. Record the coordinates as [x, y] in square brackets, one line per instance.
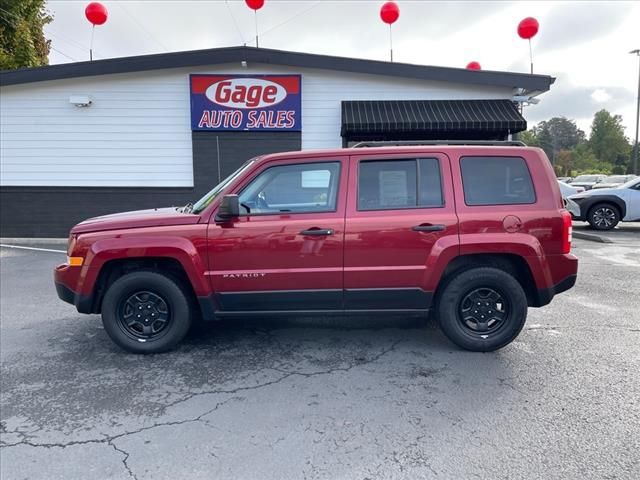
[562, 274]
[545, 295]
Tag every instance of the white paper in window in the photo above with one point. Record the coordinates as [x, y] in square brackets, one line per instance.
[393, 187]
[316, 178]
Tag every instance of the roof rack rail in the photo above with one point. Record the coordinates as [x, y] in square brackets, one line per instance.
[400, 143]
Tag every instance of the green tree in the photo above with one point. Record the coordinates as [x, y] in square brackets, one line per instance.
[22, 41]
[557, 133]
[585, 161]
[607, 140]
[529, 138]
[633, 149]
[564, 162]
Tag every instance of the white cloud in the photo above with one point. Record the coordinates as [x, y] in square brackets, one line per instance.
[600, 95]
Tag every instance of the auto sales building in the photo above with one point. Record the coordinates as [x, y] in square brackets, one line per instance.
[91, 138]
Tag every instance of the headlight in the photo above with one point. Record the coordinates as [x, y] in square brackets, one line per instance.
[71, 243]
[580, 196]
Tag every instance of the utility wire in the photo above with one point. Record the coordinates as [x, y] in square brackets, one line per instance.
[226, 2]
[4, 13]
[63, 54]
[302, 12]
[141, 26]
[64, 38]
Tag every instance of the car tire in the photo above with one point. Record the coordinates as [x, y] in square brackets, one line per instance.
[482, 309]
[603, 216]
[146, 312]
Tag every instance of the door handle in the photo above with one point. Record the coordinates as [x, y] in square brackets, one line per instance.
[315, 231]
[427, 227]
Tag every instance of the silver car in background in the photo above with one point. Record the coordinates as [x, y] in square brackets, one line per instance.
[587, 181]
[613, 181]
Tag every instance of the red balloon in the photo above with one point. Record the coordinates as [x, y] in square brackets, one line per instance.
[528, 28]
[473, 66]
[390, 12]
[96, 13]
[254, 4]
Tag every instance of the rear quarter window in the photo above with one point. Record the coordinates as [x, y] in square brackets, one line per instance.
[496, 181]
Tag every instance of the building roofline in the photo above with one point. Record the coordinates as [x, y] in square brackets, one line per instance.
[213, 56]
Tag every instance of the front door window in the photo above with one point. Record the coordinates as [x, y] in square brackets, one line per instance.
[301, 188]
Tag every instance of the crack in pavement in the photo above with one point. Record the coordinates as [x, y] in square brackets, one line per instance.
[110, 439]
[124, 460]
[286, 375]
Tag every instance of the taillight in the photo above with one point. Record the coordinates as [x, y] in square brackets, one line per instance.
[567, 231]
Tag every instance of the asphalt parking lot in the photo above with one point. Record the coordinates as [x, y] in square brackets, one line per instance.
[325, 398]
[626, 233]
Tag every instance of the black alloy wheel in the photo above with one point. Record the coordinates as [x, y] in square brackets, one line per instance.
[481, 308]
[604, 217]
[144, 315]
[483, 311]
[147, 311]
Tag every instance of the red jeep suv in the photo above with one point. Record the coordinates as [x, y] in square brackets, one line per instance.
[475, 233]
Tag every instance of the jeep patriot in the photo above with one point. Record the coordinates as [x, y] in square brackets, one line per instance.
[475, 234]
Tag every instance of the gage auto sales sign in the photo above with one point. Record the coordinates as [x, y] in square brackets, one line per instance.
[245, 102]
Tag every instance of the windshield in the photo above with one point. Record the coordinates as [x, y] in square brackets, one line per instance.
[586, 178]
[215, 191]
[630, 183]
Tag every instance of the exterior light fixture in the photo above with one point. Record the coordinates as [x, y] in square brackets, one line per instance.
[80, 100]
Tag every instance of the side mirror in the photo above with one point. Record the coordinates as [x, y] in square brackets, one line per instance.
[229, 208]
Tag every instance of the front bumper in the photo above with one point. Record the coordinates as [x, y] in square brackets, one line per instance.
[573, 208]
[64, 275]
[65, 294]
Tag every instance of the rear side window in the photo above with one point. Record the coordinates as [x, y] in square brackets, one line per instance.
[399, 184]
[496, 181]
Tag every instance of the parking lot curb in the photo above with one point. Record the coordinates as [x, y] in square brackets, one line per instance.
[591, 237]
[33, 241]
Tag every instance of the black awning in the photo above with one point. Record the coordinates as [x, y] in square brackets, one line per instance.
[432, 117]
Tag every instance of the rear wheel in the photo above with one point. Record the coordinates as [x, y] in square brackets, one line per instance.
[603, 216]
[482, 309]
[146, 312]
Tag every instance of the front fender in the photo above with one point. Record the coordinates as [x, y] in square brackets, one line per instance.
[178, 248]
[588, 202]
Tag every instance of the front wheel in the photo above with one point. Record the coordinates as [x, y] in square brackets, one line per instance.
[603, 216]
[482, 309]
[146, 312]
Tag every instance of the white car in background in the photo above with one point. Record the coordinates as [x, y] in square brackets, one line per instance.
[568, 190]
[603, 208]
